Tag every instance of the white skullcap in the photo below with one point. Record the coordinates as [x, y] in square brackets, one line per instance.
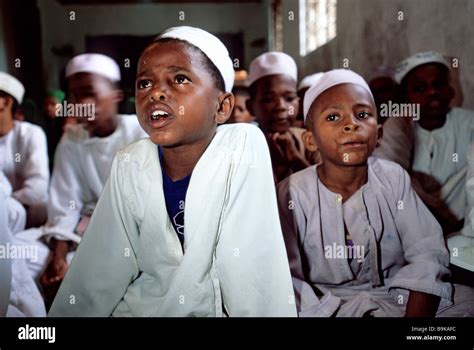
[416, 60]
[210, 45]
[271, 63]
[94, 63]
[328, 80]
[12, 86]
[309, 80]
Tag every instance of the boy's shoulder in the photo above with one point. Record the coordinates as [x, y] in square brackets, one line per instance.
[463, 118]
[301, 182]
[27, 129]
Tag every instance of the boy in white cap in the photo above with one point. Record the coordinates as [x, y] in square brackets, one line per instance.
[167, 237]
[274, 102]
[442, 136]
[23, 153]
[359, 240]
[82, 163]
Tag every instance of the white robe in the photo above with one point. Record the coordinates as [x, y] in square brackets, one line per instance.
[19, 295]
[403, 244]
[16, 213]
[130, 261]
[24, 160]
[81, 167]
[442, 153]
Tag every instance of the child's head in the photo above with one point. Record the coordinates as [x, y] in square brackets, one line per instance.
[11, 95]
[425, 80]
[183, 87]
[92, 81]
[53, 97]
[341, 118]
[384, 88]
[273, 97]
[240, 113]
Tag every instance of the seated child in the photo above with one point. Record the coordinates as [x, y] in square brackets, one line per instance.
[23, 153]
[187, 224]
[274, 103]
[442, 137]
[82, 164]
[359, 240]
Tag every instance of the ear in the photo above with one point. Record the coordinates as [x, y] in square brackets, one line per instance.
[309, 142]
[118, 96]
[249, 105]
[224, 110]
[379, 134]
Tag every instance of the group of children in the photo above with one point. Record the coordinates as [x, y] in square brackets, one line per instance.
[187, 221]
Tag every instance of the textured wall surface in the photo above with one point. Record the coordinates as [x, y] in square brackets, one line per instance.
[369, 34]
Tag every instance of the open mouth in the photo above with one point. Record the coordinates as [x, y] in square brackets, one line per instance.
[159, 118]
[156, 115]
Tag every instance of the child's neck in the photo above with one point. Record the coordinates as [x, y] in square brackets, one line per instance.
[180, 161]
[432, 123]
[6, 124]
[343, 180]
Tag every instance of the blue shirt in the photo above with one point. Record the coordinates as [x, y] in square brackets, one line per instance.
[175, 195]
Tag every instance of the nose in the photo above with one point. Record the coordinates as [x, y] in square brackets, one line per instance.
[158, 93]
[281, 104]
[351, 125]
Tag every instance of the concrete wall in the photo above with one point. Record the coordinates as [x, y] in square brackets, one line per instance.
[369, 34]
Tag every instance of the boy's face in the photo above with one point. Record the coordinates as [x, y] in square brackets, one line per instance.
[94, 90]
[428, 85]
[240, 114]
[343, 123]
[276, 103]
[177, 101]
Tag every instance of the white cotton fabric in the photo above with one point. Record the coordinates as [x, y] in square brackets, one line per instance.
[131, 263]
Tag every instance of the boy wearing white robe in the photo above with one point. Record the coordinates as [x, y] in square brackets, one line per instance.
[23, 152]
[82, 165]
[442, 136]
[231, 260]
[359, 240]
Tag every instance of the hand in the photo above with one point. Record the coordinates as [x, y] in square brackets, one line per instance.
[286, 145]
[55, 272]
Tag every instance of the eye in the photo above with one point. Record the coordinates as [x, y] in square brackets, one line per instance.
[363, 115]
[291, 98]
[181, 79]
[143, 84]
[332, 117]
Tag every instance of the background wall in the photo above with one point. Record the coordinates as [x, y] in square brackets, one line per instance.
[146, 19]
[369, 34]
